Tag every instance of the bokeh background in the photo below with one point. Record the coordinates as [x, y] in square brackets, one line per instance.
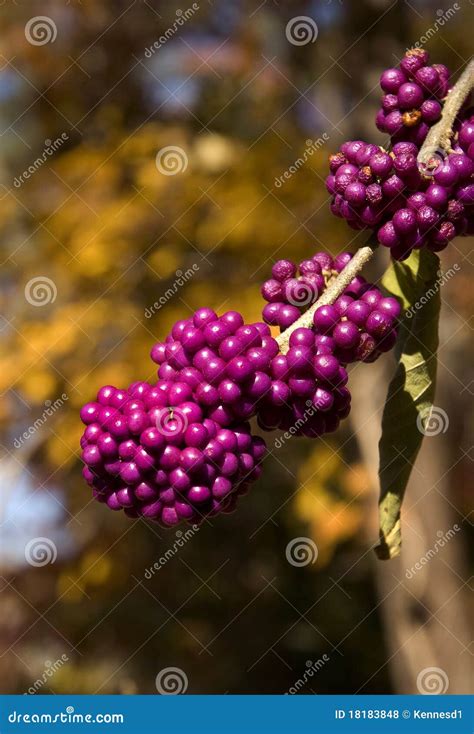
[110, 233]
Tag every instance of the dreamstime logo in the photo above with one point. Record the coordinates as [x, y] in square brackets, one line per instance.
[51, 146]
[312, 146]
[41, 291]
[443, 538]
[432, 681]
[171, 160]
[181, 279]
[312, 407]
[311, 669]
[40, 552]
[443, 17]
[442, 279]
[301, 552]
[301, 30]
[181, 539]
[171, 682]
[50, 410]
[50, 668]
[181, 17]
[302, 294]
[171, 421]
[41, 30]
[432, 421]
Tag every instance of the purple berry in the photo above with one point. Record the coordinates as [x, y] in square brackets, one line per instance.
[393, 122]
[387, 235]
[436, 197]
[346, 335]
[391, 80]
[404, 221]
[355, 194]
[325, 318]
[430, 111]
[410, 95]
[326, 367]
[378, 324]
[271, 290]
[283, 269]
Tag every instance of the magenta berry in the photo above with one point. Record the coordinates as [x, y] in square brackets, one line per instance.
[174, 470]
[391, 80]
[413, 93]
[406, 207]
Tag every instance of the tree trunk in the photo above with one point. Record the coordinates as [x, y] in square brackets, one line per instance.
[424, 611]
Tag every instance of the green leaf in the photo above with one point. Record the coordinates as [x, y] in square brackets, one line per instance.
[411, 392]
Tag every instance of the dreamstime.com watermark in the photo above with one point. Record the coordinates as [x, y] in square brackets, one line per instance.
[51, 146]
[68, 716]
[311, 409]
[311, 147]
[49, 670]
[180, 542]
[50, 409]
[311, 670]
[181, 279]
[443, 539]
[182, 16]
[442, 279]
[443, 17]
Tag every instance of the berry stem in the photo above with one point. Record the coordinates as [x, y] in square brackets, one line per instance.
[439, 136]
[332, 292]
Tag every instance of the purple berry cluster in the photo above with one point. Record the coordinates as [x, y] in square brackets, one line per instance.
[236, 371]
[435, 214]
[292, 289]
[182, 449]
[150, 451]
[359, 326]
[308, 392]
[368, 184]
[386, 191]
[413, 92]
[408, 206]
[359, 295]
[464, 146]
[224, 362]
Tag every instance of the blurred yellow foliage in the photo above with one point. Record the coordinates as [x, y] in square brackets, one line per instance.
[94, 571]
[330, 499]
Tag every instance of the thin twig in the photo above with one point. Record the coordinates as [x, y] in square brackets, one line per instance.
[440, 135]
[334, 290]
